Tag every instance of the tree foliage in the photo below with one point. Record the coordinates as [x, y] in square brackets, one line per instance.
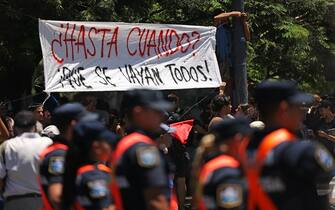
[291, 39]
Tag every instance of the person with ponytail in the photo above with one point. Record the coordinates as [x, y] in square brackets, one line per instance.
[218, 178]
[86, 179]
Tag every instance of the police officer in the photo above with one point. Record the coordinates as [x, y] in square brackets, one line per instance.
[86, 179]
[52, 158]
[282, 170]
[141, 172]
[220, 183]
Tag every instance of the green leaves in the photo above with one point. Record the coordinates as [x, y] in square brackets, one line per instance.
[290, 41]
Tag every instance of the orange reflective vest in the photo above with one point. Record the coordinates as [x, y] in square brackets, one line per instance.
[257, 198]
[46, 203]
[222, 161]
[85, 169]
[125, 143]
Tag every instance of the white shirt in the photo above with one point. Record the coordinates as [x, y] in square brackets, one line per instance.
[22, 163]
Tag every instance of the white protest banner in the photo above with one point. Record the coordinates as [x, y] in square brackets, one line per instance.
[103, 56]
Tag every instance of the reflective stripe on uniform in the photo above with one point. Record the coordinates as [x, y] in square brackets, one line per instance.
[46, 203]
[121, 148]
[222, 161]
[257, 198]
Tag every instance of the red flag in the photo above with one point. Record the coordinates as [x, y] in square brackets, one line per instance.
[182, 130]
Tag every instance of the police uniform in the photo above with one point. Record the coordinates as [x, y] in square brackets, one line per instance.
[52, 159]
[92, 186]
[93, 179]
[52, 165]
[221, 177]
[286, 170]
[291, 173]
[139, 164]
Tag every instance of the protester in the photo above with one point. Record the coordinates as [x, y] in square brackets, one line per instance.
[19, 165]
[89, 102]
[313, 116]
[326, 124]
[4, 134]
[10, 126]
[6, 124]
[38, 110]
[242, 110]
[224, 38]
[221, 109]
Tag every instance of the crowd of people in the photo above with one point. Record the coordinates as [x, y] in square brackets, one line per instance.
[274, 153]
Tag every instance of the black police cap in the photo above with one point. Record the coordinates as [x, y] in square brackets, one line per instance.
[270, 91]
[230, 127]
[110, 137]
[86, 132]
[68, 112]
[153, 99]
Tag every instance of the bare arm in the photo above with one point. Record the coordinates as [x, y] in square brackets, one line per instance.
[245, 27]
[111, 207]
[219, 18]
[228, 14]
[155, 199]
[327, 136]
[4, 134]
[54, 194]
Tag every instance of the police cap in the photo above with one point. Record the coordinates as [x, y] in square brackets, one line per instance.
[230, 127]
[68, 112]
[85, 132]
[110, 137]
[153, 99]
[270, 91]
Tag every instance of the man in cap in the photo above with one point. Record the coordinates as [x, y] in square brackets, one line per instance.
[282, 171]
[52, 158]
[19, 164]
[221, 183]
[141, 172]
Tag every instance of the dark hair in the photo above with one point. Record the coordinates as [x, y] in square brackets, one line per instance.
[34, 106]
[218, 102]
[173, 98]
[327, 104]
[25, 120]
[244, 107]
[217, 12]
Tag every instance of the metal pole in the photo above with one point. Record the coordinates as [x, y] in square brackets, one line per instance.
[239, 57]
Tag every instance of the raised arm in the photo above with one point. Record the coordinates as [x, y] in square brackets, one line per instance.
[245, 26]
[225, 15]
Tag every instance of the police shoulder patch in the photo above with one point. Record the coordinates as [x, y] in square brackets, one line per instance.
[97, 189]
[324, 158]
[56, 165]
[229, 196]
[147, 157]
